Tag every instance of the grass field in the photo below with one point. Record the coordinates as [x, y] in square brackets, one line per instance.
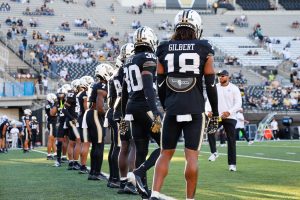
[266, 170]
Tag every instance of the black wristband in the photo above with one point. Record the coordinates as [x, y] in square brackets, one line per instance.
[212, 94]
[149, 91]
[161, 88]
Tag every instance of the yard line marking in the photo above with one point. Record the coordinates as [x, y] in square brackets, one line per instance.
[245, 156]
[165, 197]
[260, 154]
[290, 153]
[253, 145]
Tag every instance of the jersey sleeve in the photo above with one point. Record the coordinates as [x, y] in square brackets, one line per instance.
[148, 62]
[160, 50]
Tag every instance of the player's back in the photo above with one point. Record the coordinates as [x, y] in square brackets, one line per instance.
[183, 62]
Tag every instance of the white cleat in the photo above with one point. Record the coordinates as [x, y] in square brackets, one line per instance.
[250, 142]
[232, 168]
[213, 156]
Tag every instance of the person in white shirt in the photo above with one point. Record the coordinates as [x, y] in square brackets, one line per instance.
[230, 101]
[14, 135]
[240, 125]
[274, 127]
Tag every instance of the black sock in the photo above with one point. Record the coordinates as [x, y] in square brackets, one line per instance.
[150, 162]
[115, 157]
[59, 147]
[110, 161]
[99, 157]
[92, 155]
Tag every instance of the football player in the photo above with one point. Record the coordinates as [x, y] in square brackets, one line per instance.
[3, 128]
[62, 133]
[141, 110]
[85, 83]
[126, 161]
[51, 112]
[27, 131]
[182, 63]
[93, 120]
[34, 125]
[69, 111]
[113, 181]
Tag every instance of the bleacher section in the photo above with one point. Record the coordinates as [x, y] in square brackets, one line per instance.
[239, 46]
[290, 4]
[254, 4]
[294, 48]
[77, 70]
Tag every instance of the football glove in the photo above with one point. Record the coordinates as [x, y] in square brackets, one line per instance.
[156, 124]
[213, 124]
[74, 121]
[123, 127]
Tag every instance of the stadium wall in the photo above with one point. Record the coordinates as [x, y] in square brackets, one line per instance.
[11, 113]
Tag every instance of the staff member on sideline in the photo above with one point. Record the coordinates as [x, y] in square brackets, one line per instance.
[240, 126]
[230, 102]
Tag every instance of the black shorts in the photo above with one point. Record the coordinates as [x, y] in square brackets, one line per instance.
[52, 129]
[192, 132]
[62, 132]
[141, 124]
[73, 131]
[26, 135]
[93, 122]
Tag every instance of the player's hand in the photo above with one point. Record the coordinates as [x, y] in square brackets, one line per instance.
[213, 125]
[123, 127]
[209, 114]
[225, 115]
[74, 121]
[156, 124]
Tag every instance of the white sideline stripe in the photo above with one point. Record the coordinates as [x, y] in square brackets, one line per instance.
[165, 197]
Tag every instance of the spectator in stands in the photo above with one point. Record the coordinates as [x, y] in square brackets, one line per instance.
[8, 21]
[9, 34]
[255, 53]
[21, 51]
[32, 57]
[296, 24]
[229, 28]
[215, 7]
[286, 54]
[249, 53]
[45, 84]
[112, 7]
[90, 3]
[134, 24]
[112, 20]
[24, 41]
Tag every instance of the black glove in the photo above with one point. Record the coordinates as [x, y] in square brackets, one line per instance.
[123, 126]
[213, 124]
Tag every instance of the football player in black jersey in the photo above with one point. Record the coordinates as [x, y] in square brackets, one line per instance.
[69, 111]
[141, 110]
[182, 63]
[27, 130]
[126, 159]
[62, 133]
[34, 125]
[51, 111]
[111, 124]
[3, 128]
[93, 120]
[85, 83]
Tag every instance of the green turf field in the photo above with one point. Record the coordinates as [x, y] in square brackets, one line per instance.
[266, 170]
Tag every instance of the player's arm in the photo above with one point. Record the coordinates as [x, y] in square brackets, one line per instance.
[147, 79]
[85, 103]
[101, 94]
[66, 112]
[53, 111]
[124, 98]
[211, 88]
[161, 83]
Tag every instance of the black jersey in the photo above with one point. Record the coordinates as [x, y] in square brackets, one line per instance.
[96, 87]
[118, 81]
[71, 101]
[3, 124]
[133, 69]
[60, 106]
[82, 95]
[111, 93]
[50, 119]
[185, 58]
[24, 119]
[33, 125]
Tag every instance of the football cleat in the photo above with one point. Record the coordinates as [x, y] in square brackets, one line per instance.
[130, 189]
[232, 168]
[76, 166]
[83, 170]
[57, 164]
[70, 166]
[101, 177]
[213, 156]
[113, 184]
